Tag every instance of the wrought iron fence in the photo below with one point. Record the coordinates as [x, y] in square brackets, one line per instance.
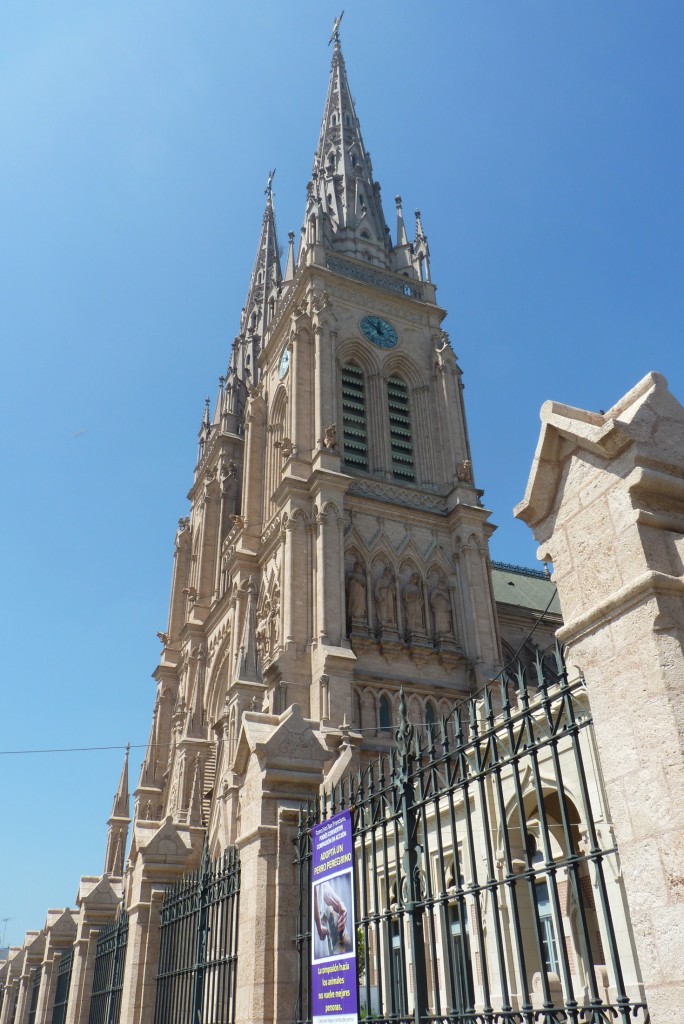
[64, 968]
[198, 945]
[488, 888]
[35, 989]
[110, 958]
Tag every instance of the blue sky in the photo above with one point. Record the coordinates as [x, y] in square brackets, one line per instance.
[541, 140]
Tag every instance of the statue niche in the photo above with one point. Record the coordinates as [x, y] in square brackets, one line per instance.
[268, 624]
[412, 597]
[385, 597]
[443, 627]
[357, 615]
[230, 497]
[441, 611]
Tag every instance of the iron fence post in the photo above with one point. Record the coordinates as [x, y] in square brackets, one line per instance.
[415, 909]
[200, 949]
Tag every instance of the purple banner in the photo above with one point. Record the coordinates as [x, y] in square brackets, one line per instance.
[334, 985]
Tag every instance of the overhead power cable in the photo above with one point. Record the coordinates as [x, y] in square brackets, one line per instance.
[78, 750]
[140, 746]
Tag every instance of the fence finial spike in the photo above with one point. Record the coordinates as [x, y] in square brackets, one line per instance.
[404, 732]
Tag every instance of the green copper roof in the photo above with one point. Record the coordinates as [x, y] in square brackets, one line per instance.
[526, 588]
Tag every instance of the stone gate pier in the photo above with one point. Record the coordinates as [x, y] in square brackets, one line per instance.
[605, 500]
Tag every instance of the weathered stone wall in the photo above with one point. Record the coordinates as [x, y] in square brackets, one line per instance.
[605, 500]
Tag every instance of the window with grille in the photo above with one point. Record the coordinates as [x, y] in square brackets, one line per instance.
[400, 429]
[355, 435]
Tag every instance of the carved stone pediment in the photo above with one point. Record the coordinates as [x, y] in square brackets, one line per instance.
[98, 891]
[34, 943]
[285, 742]
[61, 923]
[168, 845]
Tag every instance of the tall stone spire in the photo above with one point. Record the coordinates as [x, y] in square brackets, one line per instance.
[117, 833]
[344, 211]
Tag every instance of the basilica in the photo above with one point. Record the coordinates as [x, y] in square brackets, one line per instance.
[331, 579]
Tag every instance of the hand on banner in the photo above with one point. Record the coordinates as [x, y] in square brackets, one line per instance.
[338, 906]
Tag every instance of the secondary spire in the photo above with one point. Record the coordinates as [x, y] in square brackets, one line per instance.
[265, 286]
[117, 826]
[120, 808]
[266, 274]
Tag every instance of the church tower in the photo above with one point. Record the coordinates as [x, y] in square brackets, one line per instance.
[336, 548]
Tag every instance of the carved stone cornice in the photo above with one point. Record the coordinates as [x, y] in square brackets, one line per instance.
[389, 282]
[396, 495]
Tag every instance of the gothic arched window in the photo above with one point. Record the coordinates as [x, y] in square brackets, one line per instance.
[400, 429]
[429, 715]
[384, 715]
[542, 901]
[356, 709]
[462, 979]
[354, 430]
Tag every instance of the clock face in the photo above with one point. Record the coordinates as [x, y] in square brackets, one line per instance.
[284, 364]
[378, 331]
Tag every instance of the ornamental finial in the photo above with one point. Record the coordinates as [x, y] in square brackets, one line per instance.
[404, 733]
[268, 191]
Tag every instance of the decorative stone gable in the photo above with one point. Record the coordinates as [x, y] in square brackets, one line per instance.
[168, 845]
[98, 891]
[284, 742]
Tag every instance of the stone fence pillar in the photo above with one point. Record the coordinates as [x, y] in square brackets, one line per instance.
[99, 898]
[605, 501]
[48, 982]
[10, 996]
[282, 759]
[160, 856]
[60, 932]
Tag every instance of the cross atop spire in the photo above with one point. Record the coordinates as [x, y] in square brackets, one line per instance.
[335, 35]
[268, 191]
[344, 210]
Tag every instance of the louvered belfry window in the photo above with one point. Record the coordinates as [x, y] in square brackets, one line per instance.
[355, 446]
[400, 429]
